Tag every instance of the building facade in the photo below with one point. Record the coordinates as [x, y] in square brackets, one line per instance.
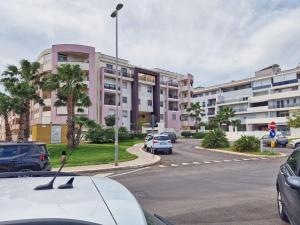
[141, 92]
[270, 95]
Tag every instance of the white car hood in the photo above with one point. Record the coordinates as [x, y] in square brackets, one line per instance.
[18, 200]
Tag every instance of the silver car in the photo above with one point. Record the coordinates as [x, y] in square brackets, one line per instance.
[90, 200]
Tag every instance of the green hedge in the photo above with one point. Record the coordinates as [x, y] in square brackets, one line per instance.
[107, 135]
[247, 144]
[186, 134]
[215, 139]
[199, 135]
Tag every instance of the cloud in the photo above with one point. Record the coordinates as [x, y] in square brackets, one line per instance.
[217, 41]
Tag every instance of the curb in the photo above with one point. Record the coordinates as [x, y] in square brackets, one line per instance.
[157, 160]
[242, 154]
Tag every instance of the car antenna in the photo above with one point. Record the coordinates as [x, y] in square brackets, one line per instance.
[49, 185]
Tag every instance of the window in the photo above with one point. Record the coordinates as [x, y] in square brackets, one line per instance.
[124, 71]
[124, 99]
[149, 89]
[161, 91]
[294, 161]
[203, 104]
[162, 116]
[124, 85]
[124, 113]
[149, 102]
[62, 57]
[295, 100]
[139, 101]
[173, 116]
[8, 151]
[109, 66]
[161, 104]
[46, 109]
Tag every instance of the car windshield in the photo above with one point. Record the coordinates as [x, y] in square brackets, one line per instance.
[161, 138]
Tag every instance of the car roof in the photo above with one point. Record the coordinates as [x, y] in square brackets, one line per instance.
[20, 143]
[93, 199]
[163, 135]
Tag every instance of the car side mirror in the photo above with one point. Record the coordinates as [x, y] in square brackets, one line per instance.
[294, 182]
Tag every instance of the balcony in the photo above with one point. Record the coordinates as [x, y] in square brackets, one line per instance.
[284, 106]
[266, 120]
[110, 86]
[262, 87]
[83, 65]
[173, 108]
[113, 72]
[173, 84]
[173, 96]
[237, 110]
[211, 104]
[233, 100]
[285, 82]
[211, 113]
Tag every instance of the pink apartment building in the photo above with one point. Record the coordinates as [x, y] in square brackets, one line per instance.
[142, 92]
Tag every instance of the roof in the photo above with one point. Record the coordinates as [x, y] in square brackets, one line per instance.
[20, 143]
[93, 199]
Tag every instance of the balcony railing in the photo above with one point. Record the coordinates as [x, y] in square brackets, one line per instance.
[284, 106]
[173, 109]
[173, 84]
[173, 96]
[261, 87]
[285, 82]
[211, 104]
[112, 71]
[232, 100]
[240, 110]
[147, 79]
[110, 86]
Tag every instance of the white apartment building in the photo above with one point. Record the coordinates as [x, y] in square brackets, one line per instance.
[271, 95]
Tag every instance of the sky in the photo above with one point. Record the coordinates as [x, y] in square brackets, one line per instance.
[216, 41]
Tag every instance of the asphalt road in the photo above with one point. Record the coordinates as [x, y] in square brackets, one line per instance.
[237, 191]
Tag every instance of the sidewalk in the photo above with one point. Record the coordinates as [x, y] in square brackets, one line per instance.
[144, 159]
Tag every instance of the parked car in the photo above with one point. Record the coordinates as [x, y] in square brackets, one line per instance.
[288, 189]
[171, 135]
[160, 143]
[280, 140]
[18, 156]
[87, 200]
[295, 143]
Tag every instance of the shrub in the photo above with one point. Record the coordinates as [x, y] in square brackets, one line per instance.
[199, 135]
[186, 134]
[138, 136]
[215, 139]
[106, 135]
[247, 144]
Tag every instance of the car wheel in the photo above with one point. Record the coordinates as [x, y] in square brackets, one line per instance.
[297, 145]
[281, 207]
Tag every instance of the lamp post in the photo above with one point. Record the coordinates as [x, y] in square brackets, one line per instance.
[115, 15]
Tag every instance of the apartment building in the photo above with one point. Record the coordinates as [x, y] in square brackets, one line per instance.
[141, 92]
[270, 95]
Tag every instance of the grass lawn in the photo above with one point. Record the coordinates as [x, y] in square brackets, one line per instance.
[91, 154]
[266, 153]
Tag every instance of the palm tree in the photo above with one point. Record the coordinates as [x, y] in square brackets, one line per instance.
[81, 122]
[235, 123]
[21, 83]
[224, 115]
[6, 107]
[196, 111]
[71, 92]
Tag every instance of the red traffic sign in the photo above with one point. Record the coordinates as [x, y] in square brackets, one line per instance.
[272, 125]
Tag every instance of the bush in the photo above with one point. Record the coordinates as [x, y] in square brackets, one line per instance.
[186, 134]
[138, 136]
[215, 139]
[106, 135]
[199, 135]
[247, 144]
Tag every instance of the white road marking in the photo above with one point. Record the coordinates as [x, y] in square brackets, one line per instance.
[196, 163]
[174, 165]
[217, 161]
[133, 171]
[236, 160]
[246, 159]
[264, 158]
[185, 164]
[254, 158]
[162, 166]
[206, 162]
[227, 160]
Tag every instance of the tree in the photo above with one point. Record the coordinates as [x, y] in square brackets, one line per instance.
[195, 111]
[140, 123]
[224, 115]
[70, 92]
[294, 120]
[22, 85]
[236, 124]
[6, 107]
[82, 121]
[110, 120]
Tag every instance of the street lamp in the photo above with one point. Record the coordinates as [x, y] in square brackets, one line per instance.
[115, 15]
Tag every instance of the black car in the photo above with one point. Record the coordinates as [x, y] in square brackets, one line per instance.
[15, 156]
[288, 189]
[171, 135]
